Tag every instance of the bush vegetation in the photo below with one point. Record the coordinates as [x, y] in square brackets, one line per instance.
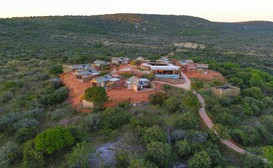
[167, 130]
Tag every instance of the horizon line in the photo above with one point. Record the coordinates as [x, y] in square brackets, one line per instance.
[78, 15]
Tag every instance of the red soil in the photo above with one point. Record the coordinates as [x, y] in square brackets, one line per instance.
[116, 96]
[210, 76]
[77, 89]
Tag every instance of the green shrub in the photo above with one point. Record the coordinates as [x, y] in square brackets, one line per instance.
[78, 132]
[53, 139]
[200, 159]
[183, 148]
[171, 104]
[186, 121]
[55, 69]
[25, 123]
[159, 153]
[31, 157]
[252, 162]
[214, 154]
[92, 121]
[122, 159]
[57, 97]
[97, 95]
[154, 133]
[268, 153]
[222, 131]
[158, 98]
[10, 152]
[197, 85]
[24, 134]
[140, 163]
[59, 114]
[113, 119]
[254, 92]
[248, 135]
[7, 120]
[79, 156]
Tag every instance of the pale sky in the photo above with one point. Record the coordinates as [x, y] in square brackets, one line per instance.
[214, 10]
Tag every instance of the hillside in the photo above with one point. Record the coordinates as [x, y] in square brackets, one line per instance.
[40, 125]
[132, 35]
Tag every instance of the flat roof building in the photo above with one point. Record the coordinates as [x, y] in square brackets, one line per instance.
[226, 90]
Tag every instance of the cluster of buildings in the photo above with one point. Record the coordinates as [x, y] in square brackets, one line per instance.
[162, 68]
[93, 73]
[84, 72]
[190, 66]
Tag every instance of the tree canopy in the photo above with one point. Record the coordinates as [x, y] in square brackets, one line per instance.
[53, 139]
[97, 95]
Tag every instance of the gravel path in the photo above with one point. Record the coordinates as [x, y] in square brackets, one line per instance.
[203, 114]
[209, 124]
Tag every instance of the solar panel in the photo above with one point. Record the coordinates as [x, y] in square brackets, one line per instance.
[141, 83]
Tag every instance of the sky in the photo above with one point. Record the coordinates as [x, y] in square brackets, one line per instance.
[213, 10]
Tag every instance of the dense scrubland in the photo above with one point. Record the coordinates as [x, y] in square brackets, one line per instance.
[40, 129]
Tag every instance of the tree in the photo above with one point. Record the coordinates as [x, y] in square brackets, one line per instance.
[171, 104]
[268, 153]
[55, 69]
[197, 85]
[31, 157]
[159, 153]
[268, 88]
[79, 155]
[254, 92]
[183, 148]
[256, 79]
[97, 95]
[186, 121]
[191, 102]
[57, 97]
[248, 135]
[158, 98]
[53, 139]
[113, 118]
[267, 121]
[236, 81]
[154, 133]
[200, 159]
[252, 162]
[92, 121]
[221, 131]
[214, 154]
[24, 134]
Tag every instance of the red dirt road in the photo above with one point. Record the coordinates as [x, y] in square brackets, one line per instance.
[202, 112]
[77, 89]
